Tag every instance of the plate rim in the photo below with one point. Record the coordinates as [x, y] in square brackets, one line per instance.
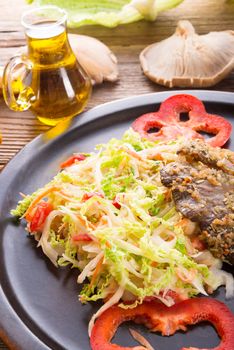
[21, 333]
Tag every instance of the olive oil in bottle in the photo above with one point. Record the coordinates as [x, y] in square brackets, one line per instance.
[60, 86]
[55, 87]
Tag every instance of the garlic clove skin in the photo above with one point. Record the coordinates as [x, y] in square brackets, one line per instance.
[187, 59]
[95, 57]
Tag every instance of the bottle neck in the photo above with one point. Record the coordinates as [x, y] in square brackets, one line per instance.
[49, 49]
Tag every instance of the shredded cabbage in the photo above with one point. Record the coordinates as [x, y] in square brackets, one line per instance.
[133, 244]
[109, 13]
[22, 206]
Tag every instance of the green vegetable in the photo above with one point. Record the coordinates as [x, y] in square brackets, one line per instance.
[96, 291]
[22, 206]
[109, 13]
[135, 140]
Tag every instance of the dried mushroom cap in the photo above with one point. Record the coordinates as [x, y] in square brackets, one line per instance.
[187, 59]
[95, 57]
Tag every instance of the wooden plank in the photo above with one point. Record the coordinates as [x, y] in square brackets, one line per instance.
[26, 127]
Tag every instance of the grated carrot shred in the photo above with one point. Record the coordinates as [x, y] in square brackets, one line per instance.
[96, 271]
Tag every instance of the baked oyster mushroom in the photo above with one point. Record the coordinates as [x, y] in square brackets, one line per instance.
[187, 59]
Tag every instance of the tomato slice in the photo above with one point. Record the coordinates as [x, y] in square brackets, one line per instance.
[89, 195]
[81, 237]
[166, 320]
[169, 126]
[198, 244]
[116, 204]
[41, 212]
[71, 160]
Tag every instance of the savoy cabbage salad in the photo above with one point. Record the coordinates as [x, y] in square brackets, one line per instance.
[109, 13]
[107, 214]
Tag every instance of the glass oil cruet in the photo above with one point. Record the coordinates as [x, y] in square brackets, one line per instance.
[53, 85]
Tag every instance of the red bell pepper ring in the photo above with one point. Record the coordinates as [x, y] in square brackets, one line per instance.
[81, 237]
[167, 320]
[71, 160]
[41, 212]
[169, 126]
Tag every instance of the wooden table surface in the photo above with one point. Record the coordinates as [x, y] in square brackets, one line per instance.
[126, 42]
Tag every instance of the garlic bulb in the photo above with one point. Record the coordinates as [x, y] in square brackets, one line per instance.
[187, 59]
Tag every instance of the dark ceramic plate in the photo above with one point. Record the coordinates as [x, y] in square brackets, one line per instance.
[39, 308]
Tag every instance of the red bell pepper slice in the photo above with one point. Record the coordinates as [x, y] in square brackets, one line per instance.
[169, 126]
[166, 320]
[71, 160]
[41, 212]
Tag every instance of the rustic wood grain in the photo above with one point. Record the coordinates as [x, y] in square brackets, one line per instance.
[126, 42]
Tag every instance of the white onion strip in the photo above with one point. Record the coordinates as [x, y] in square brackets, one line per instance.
[89, 267]
[227, 279]
[140, 339]
[46, 247]
[168, 301]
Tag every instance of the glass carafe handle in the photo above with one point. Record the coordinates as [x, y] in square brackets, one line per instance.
[25, 93]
